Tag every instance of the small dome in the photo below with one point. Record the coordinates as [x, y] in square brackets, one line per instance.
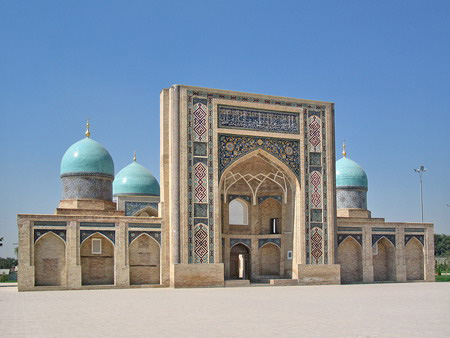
[87, 156]
[350, 174]
[135, 179]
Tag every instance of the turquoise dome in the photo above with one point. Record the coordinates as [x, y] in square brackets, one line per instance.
[87, 156]
[135, 179]
[350, 174]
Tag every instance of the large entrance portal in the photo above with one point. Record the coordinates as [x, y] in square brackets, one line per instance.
[258, 210]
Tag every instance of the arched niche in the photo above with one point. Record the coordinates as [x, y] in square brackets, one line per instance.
[269, 260]
[97, 260]
[238, 212]
[350, 258]
[240, 262]
[414, 260]
[384, 261]
[144, 260]
[50, 260]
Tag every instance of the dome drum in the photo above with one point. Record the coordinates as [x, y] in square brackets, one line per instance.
[351, 198]
[87, 186]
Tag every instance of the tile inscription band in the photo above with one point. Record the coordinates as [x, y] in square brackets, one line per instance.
[261, 120]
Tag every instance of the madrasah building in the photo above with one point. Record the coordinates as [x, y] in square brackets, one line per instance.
[249, 192]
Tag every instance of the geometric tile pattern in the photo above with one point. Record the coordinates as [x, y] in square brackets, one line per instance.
[200, 169]
[132, 208]
[262, 241]
[245, 241]
[111, 235]
[132, 235]
[357, 237]
[201, 243]
[377, 237]
[39, 233]
[419, 237]
[263, 198]
[316, 194]
[315, 163]
[200, 183]
[233, 147]
[316, 246]
[262, 120]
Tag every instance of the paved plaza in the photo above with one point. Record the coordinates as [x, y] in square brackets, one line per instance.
[397, 310]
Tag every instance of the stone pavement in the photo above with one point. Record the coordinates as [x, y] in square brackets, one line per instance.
[396, 310]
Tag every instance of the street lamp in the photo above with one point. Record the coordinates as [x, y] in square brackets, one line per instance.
[420, 171]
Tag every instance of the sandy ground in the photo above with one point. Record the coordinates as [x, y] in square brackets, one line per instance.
[396, 310]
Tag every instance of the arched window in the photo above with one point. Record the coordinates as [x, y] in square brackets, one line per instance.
[238, 213]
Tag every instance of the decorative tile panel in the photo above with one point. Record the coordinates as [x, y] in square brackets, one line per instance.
[377, 237]
[233, 147]
[38, 233]
[419, 237]
[262, 241]
[245, 241]
[357, 237]
[97, 224]
[132, 235]
[200, 176]
[263, 198]
[316, 185]
[261, 120]
[84, 234]
[144, 225]
[132, 208]
[50, 223]
[244, 197]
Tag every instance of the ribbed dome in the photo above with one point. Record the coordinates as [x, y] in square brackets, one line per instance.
[135, 179]
[350, 174]
[87, 156]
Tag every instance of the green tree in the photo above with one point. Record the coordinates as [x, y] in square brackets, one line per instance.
[6, 263]
[441, 245]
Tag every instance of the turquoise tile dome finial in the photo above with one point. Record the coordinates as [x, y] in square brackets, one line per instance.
[87, 156]
[135, 179]
[349, 173]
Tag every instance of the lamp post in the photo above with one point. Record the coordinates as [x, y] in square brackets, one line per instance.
[420, 171]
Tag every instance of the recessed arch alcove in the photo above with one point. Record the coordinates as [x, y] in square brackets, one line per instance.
[50, 260]
[384, 261]
[97, 260]
[266, 190]
[144, 260]
[349, 256]
[414, 260]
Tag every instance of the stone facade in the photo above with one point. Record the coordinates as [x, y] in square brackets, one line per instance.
[247, 195]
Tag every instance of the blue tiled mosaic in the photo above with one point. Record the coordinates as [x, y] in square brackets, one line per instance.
[84, 234]
[245, 241]
[342, 237]
[377, 237]
[419, 237]
[132, 235]
[261, 120]
[233, 147]
[263, 198]
[39, 233]
[133, 207]
[276, 241]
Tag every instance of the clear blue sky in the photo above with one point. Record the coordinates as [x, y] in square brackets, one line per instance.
[386, 65]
